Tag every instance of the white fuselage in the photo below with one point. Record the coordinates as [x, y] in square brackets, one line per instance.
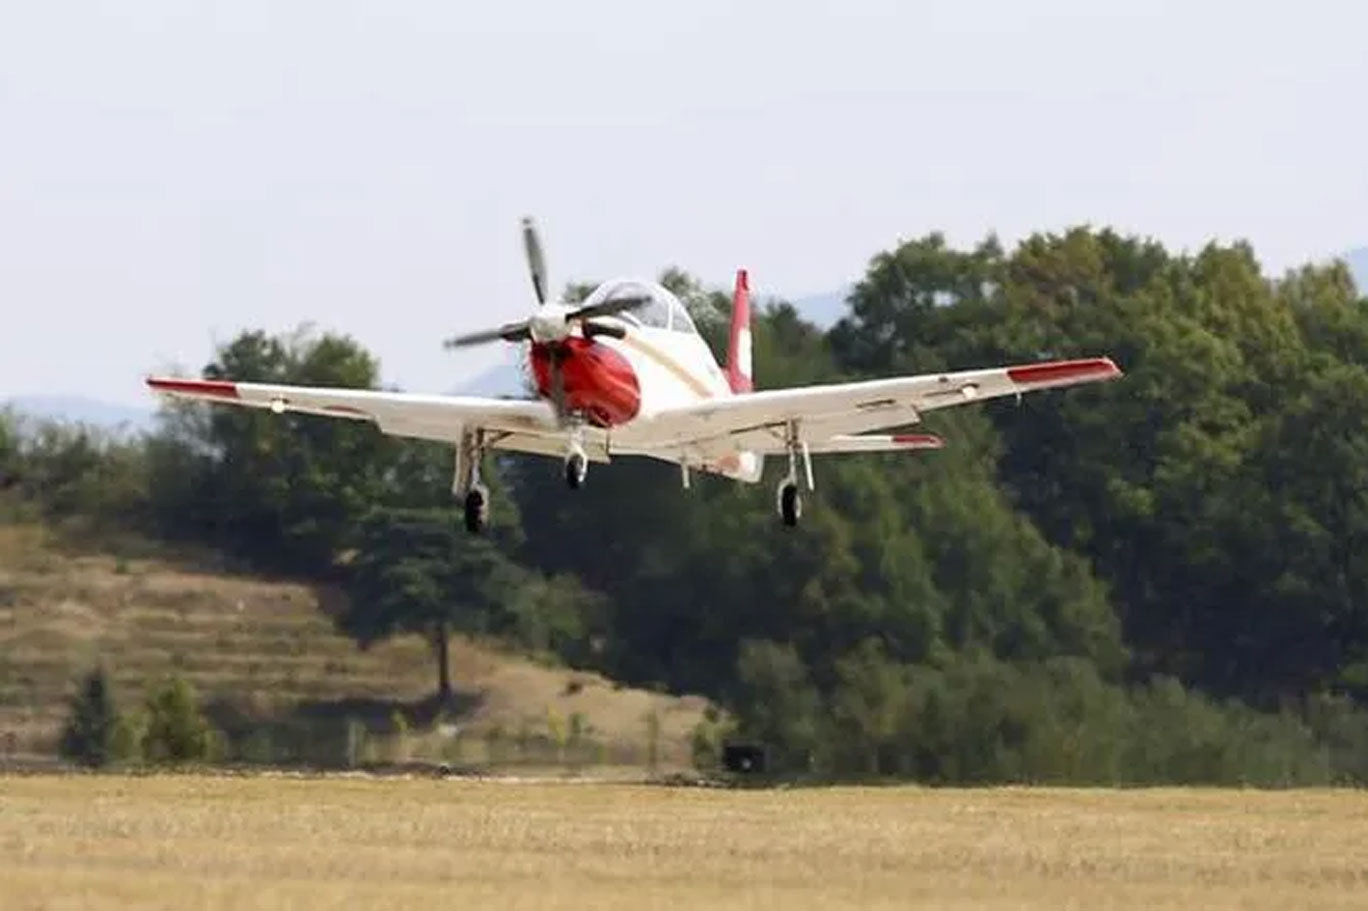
[674, 367]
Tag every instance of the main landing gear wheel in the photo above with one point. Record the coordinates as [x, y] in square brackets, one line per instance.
[790, 503]
[465, 481]
[476, 509]
[576, 468]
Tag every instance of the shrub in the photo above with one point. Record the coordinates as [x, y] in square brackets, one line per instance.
[174, 728]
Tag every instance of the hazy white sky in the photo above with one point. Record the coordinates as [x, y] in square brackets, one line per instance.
[173, 171]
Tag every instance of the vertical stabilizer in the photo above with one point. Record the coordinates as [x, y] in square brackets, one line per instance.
[739, 345]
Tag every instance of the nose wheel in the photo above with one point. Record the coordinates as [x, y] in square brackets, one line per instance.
[576, 462]
[576, 469]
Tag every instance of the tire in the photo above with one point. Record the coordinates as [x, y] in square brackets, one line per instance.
[476, 510]
[576, 468]
[790, 504]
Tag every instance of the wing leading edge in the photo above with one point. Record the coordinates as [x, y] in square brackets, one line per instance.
[430, 417]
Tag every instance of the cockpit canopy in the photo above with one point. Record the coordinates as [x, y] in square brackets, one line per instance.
[665, 311]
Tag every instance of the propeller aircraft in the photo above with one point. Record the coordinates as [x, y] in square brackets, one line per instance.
[625, 373]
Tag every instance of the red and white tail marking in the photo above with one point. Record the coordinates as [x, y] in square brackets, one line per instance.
[739, 345]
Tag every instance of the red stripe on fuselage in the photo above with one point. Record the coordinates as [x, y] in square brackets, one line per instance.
[213, 388]
[599, 381]
[1056, 371]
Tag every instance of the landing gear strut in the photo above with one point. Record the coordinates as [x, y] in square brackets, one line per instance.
[466, 479]
[576, 462]
[788, 500]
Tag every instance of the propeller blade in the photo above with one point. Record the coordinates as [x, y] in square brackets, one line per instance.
[592, 329]
[608, 307]
[536, 263]
[512, 332]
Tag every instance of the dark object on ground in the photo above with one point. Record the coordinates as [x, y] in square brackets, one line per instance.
[745, 758]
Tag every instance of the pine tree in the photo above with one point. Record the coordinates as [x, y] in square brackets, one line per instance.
[89, 732]
[176, 730]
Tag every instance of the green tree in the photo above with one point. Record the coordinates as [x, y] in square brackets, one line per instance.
[868, 703]
[775, 702]
[77, 471]
[283, 490]
[415, 571]
[89, 734]
[174, 728]
[9, 449]
[1180, 483]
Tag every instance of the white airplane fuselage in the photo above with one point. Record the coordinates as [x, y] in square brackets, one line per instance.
[619, 384]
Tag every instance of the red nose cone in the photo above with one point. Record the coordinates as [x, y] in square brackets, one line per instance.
[598, 380]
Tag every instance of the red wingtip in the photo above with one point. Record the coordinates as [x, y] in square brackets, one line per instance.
[1093, 368]
[211, 388]
[919, 440]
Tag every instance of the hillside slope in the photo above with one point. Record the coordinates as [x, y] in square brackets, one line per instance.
[267, 661]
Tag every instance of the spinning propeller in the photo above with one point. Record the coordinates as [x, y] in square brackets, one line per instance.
[553, 321]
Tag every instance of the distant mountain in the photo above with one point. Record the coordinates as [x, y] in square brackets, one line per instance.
[80, 410]
[1358, 265]
[499, 381]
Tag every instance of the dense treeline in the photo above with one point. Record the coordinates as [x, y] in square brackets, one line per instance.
[1158, 579]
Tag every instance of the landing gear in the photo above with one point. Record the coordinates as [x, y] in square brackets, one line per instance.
[576, 462]
[465, 481]
[477, 509]
[789, 502]
[576, 468]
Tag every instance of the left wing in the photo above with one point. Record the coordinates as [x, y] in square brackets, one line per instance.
[755, 420]
[430, 417]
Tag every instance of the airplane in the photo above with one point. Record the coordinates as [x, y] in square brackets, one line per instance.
[624, 372]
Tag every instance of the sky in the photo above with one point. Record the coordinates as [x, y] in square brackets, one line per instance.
[173, 172]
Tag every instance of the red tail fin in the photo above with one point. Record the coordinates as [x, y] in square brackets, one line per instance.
[739, 347]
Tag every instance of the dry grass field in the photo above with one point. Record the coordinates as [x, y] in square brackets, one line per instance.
[189, 843]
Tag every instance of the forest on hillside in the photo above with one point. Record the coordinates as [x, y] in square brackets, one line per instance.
[1162, 578]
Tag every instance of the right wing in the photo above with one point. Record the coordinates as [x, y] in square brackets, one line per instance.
[403, 414]
[757, 420]
[863, 442]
